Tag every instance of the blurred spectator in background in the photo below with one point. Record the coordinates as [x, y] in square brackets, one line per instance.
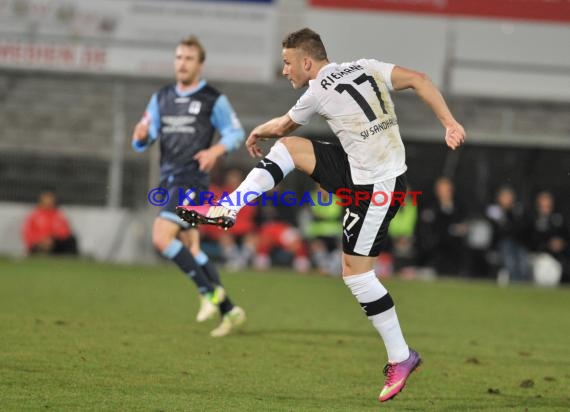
[323, 231]
[46, 229]
[281, 235]
[549, 232]
[278, 240]
[442, 231]
[238, 243]
[509, 232]
[401, 236]
[481, 258]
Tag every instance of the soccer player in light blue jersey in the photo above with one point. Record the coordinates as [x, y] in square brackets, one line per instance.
[183, 118]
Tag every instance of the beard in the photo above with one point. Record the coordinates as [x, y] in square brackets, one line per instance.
[185, 78]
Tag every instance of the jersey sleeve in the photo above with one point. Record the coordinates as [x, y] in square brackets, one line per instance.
[385, 70]
[152, 116]
[225, 120]
[305, 108]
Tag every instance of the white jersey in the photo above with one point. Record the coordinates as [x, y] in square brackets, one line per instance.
[354, 99]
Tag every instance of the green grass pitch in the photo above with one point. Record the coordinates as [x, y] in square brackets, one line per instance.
[78, 335]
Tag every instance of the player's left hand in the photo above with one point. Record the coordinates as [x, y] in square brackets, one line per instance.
[454, 136]
[206, 159]
[251, 144]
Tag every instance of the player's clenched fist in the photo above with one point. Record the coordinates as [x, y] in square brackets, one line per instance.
[140, 131]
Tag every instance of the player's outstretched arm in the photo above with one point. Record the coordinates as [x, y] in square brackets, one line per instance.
[408, 79]
[274, 128]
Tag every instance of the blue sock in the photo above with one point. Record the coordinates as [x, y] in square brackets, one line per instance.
[208, 268]
[186, 262]
[213, 275]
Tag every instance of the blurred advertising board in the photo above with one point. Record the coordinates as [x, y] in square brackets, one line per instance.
[137, 37]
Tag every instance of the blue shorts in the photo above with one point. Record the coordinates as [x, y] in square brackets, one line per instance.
[180, 192]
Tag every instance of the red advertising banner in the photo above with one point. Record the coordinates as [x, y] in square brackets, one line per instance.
[549, 10]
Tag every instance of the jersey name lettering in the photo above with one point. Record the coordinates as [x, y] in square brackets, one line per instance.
[331, 78]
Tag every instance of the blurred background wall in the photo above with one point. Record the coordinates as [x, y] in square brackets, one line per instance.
[75, 76]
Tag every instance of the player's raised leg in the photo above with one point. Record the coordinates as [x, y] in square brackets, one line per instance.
[286, 154]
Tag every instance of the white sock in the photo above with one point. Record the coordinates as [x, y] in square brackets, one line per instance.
[260, 180]
[368, 289]
[387, 324]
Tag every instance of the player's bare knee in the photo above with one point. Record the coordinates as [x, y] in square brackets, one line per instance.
[354, 265]
[301, 151]
[158, 243]
[287, 142]
[291, 143]
[195, 249]
[161, 240]
[347, 266]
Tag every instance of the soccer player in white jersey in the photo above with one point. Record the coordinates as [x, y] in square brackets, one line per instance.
[355, 100]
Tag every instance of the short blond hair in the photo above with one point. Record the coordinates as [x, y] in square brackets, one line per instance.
[192, 41]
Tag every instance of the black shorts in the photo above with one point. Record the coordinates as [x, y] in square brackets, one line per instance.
[368, 208]
[180, 191]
